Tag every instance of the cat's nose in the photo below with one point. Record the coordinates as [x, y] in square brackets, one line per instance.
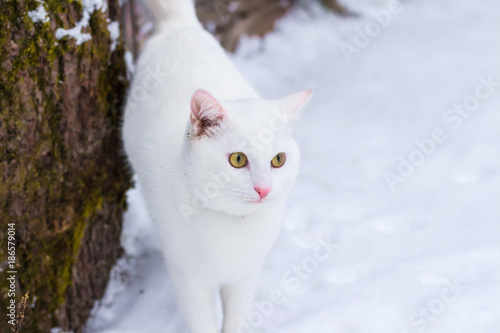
[263, 191]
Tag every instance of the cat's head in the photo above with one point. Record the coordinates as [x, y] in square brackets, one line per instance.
[240, 154]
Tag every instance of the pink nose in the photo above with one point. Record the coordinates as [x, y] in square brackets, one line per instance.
[262, 191]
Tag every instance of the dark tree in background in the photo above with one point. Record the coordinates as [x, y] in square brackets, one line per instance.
[62, 175]
[231, 19]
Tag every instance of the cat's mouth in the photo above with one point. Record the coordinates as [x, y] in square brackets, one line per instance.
[260, 201]
[265, 199]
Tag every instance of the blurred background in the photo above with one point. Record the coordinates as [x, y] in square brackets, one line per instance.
[399, 188]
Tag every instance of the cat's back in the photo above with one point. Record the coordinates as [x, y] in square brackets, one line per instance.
[175, 62]
[190, 58]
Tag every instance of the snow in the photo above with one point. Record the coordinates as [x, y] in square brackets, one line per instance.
[58, 330]
[114, 34]
[129, 62]
[39, 15]
[89, 6]
[418, 255]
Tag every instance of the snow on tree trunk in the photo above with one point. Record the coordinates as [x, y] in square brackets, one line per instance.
[63, 177]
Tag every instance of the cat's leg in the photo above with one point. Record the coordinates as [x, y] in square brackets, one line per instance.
[237, 299]
[197, 301]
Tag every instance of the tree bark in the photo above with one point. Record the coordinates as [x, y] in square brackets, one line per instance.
[63, 177]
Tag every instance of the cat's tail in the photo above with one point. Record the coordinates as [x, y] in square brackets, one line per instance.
[181, 11]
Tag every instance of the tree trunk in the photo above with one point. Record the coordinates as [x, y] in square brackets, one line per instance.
[63, 177]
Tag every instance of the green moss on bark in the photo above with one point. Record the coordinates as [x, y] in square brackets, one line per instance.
[63, 179]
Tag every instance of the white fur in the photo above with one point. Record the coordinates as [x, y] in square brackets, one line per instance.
[215, 233]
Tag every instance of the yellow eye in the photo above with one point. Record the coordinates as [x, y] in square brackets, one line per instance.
[238, 160]
[278, 160]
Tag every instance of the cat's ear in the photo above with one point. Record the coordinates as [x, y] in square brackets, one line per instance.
[292, 105]
[206, 113]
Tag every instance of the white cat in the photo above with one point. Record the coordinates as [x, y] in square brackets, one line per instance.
[214, 168]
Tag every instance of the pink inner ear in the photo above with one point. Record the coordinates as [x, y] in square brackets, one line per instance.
[293, 103]
[206, 112]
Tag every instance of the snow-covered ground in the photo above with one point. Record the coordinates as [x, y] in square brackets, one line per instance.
[412, 230]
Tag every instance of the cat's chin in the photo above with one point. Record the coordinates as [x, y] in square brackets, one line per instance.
[244, 208]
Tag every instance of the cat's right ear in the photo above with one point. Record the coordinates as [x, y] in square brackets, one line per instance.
[292, 105]
[206, 113]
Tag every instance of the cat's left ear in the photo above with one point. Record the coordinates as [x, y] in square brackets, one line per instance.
[292, 105]
[206, 113]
